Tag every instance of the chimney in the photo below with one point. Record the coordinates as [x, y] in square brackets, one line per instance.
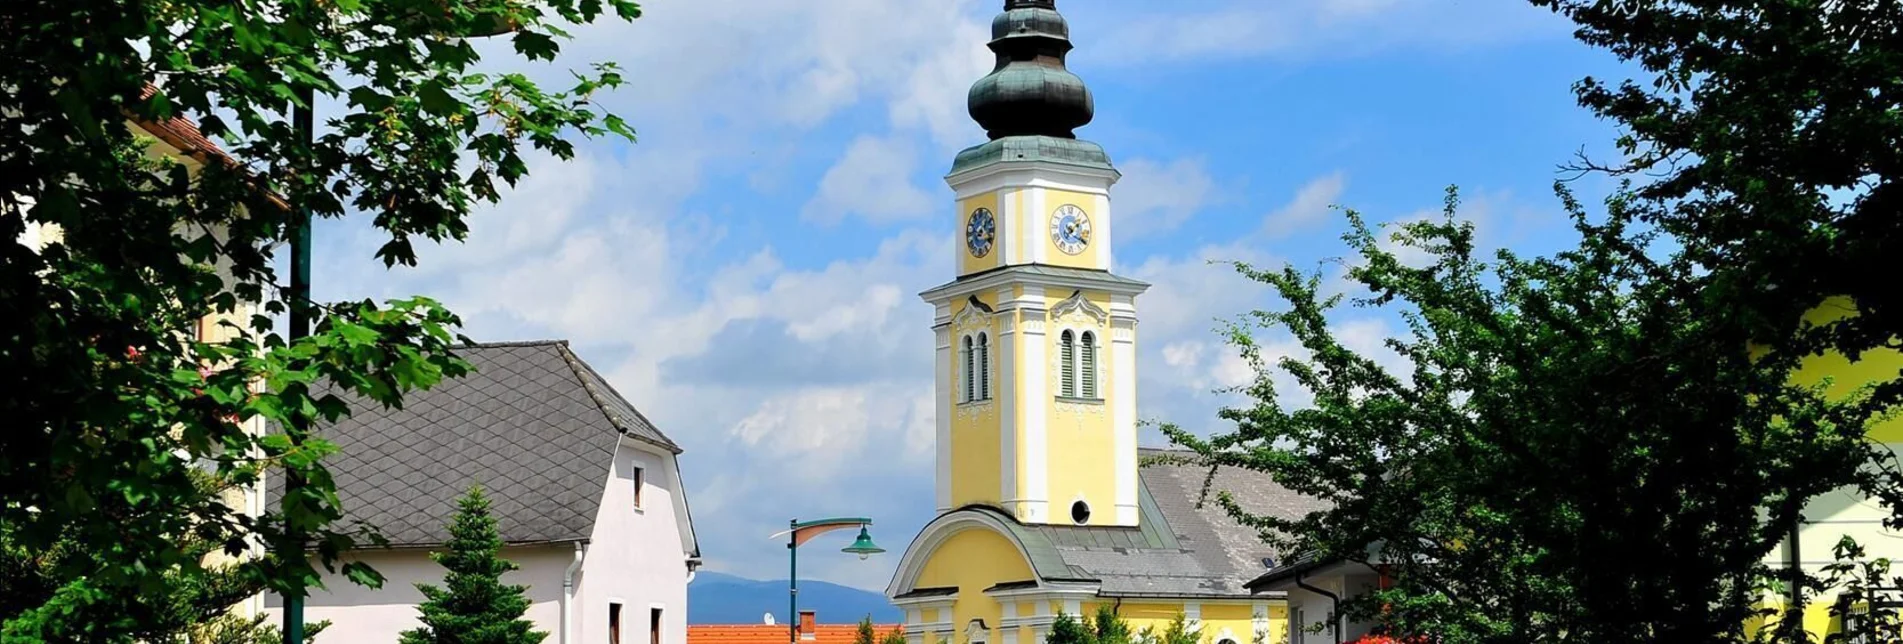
[808, 631]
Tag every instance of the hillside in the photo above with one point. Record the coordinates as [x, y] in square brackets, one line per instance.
[715, 598]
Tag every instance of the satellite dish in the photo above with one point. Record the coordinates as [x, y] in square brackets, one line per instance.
[1268, 563]
[769, 619]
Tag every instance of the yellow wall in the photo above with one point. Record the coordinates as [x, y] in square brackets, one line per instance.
[1236, 619]
[976, 458]
[972, 561]
[1054, 199]
[1082, 455]
[966, 263]
[1844, 512]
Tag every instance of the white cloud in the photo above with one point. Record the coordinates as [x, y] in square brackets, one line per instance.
[872, 180]
[1156, 197]
[611, 252]
[1310, 206]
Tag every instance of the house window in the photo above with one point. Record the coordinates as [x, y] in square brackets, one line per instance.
[1067, 364]
[1087, 365]
[640, 481]
[968, 356]
[654, 626]
[984, 366]
[614, 623]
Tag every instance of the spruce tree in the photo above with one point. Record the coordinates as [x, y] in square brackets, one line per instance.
[474, 606]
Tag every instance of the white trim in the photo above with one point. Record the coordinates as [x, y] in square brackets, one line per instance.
[1035, 232]
[1030, 504]
[935, 534]
[1123, 414]
[1007, 385]
[1079, 304]
[944, 420]
[994, 280]
[994, 176]
[1103, 231]
[1008, 223]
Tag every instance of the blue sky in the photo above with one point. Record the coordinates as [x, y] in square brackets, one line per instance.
[747, 272]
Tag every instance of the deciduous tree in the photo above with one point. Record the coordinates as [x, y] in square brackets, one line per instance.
[111, 395]
[1572, 448]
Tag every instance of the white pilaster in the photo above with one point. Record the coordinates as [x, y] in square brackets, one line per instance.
[1101, 225]
[1038, 227]
[943, 411]
[1007, 391]
[1007, 631]
[1010, 219]
[1259, 623]
[1123, 412]
[1192, 616]
[1033, 504]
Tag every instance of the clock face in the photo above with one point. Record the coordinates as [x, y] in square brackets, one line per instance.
[981, 233]
[1070, 229]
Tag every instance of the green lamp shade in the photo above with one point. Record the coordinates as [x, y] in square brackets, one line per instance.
[863, 546]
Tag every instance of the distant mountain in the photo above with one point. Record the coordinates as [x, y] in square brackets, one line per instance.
[714, 598]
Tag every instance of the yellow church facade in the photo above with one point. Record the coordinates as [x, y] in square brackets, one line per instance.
[1046, 505]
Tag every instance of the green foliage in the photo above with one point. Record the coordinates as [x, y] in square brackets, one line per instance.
[894, 636]
[191, 606]
[1767, 127]
[1178, 631]
[1105, 628]
[1574, 448]
[111, 397]
[473, 606]
[865, 633]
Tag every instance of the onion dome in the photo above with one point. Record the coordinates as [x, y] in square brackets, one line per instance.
[1030, 93]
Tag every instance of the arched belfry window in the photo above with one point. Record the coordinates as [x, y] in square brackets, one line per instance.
[967, 356]
[1067, 364]
[1087, 365]
[984, 366]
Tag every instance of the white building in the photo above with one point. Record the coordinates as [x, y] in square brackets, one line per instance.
[586, 491]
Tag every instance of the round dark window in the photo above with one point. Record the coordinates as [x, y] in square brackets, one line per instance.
[1080, 512]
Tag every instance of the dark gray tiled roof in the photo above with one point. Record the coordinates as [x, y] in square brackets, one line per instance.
[1180, 549]
[1046, 271]
[533, 424]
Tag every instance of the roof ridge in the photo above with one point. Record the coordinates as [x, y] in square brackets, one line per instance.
[515, 343]
[583, 371]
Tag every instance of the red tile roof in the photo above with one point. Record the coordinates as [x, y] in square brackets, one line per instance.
[776, 633]
[180, 132]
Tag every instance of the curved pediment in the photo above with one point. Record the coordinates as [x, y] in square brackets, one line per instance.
[1079, 305]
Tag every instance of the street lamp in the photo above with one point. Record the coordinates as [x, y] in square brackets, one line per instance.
[303, 124]
[802, 531]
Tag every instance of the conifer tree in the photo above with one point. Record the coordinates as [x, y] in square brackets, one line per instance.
[474, 606]
[865, 635]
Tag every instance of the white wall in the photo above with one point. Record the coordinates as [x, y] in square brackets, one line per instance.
[362, 615]
[636, 556]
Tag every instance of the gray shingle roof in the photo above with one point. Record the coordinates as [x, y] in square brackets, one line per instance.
[1179, 548]
[535, 425]
[1033, 271]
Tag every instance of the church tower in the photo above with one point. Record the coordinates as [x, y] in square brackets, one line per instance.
[1036, 355]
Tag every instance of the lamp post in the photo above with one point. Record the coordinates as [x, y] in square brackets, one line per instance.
[303, 125]
[800, 532]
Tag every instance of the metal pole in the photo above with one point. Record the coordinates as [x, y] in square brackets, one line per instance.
[793, 583]
[1795, 562]
[300, 326]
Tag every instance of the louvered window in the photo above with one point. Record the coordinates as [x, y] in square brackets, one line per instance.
[1067, 364]
[968, 356]
[984, 366]
[1087, 365]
